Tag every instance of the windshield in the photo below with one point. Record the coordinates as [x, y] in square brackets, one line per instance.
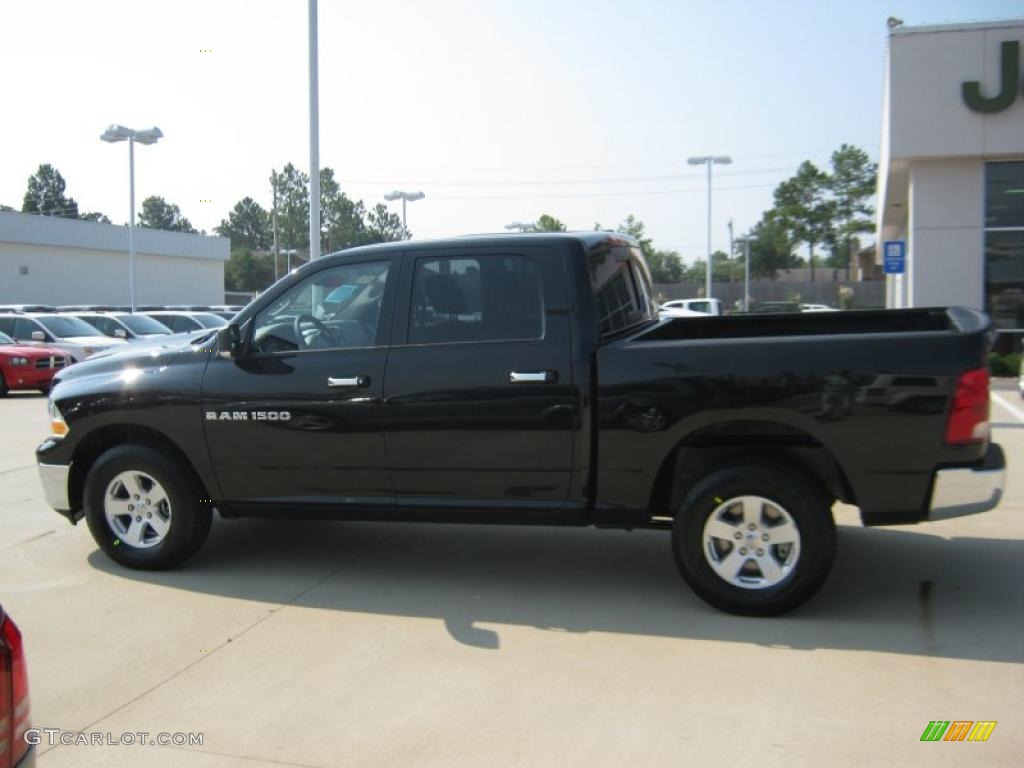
[68, 327]
[142, 324]
[208, 320]
[5, 339]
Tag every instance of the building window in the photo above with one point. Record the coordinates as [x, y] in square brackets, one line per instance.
[1004, 243]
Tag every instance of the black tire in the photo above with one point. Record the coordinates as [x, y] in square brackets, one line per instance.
[809, 510]
[189, 519]
[3, 385]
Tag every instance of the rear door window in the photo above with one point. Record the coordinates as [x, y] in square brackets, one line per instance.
[476, 298]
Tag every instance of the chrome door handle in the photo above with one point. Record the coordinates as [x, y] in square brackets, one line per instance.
[533, 377]
[348, 381]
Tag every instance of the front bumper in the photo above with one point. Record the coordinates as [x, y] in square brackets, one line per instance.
[969, 490]
[30, 378]
[55, 485]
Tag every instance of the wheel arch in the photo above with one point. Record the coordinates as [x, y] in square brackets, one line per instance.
[97, 442]
[745, 440]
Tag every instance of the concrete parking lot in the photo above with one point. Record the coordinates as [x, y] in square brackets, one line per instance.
[351, 644]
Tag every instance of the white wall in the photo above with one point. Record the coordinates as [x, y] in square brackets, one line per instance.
[927, 115]
[946, 248]
[63, 275]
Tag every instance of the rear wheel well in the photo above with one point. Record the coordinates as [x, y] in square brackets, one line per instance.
[101, 440]
[715, 446]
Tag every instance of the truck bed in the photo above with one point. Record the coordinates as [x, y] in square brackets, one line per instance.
[816, 324]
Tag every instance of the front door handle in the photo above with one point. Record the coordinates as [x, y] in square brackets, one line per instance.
[348, 381]
[533, 377]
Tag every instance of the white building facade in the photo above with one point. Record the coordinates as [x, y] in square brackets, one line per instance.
[50, 260]
[951, 172]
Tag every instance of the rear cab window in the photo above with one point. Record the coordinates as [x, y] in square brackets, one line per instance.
[621, 285]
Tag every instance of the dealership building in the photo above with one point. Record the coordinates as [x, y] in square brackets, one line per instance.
[51, 260]
[951, 171]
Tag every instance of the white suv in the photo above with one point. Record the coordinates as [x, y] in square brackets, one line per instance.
[75, 336]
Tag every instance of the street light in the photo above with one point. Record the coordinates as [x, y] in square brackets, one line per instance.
[112, 135]
[405, 197]
[289, 252]
[520, 226]
[746, 273]
[709, 160]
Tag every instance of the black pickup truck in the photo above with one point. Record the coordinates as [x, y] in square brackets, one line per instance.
[528, 379]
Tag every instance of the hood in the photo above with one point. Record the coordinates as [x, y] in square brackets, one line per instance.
[92, 341]
[33, 353]
[145, 354]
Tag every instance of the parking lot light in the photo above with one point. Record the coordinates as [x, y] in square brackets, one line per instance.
[112, 135]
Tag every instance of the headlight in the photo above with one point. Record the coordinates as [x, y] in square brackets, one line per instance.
[57, 424]
[19, 361]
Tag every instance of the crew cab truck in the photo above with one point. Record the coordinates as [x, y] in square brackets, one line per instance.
[529, 379]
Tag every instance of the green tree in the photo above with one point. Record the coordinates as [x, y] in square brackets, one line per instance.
[6, 208]
[45, 194]
[292, 207]
[342, 222]
[666, 266]
[547, 223]
[157, 213]
[697, 272]
[248, 271]
[851, 184]
[802, 206]
[382, 226]
[247, 226]
[771, 247]
[94, 216]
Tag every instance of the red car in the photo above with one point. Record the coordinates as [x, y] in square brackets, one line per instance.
[24, 367]
[15, 750]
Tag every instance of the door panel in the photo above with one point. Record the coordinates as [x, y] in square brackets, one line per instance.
[459, 431]
[297, 419]
[321, 445]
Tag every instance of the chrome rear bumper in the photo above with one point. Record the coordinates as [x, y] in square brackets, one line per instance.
[969, 490]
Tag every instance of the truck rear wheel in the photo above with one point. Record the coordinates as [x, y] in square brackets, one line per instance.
[143, 510]
[754, 539]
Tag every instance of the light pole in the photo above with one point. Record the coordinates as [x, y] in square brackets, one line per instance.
[746, 273]
[314, 136]
[114, 134]
[405, 197]
[520, 226]
[709, 160]
[289, 252]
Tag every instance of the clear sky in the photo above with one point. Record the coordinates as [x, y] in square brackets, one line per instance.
[498, 111]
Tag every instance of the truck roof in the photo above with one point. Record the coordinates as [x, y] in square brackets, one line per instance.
[589, 239]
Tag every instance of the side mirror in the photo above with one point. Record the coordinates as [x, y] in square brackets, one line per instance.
[229, 342]
[38, 336]
[120, 334]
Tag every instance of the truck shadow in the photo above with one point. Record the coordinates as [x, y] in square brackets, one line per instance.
[892, 590]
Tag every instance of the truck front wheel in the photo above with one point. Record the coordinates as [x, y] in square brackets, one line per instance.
[754, 539]
[143, 510]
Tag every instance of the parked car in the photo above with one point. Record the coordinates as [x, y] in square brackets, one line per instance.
[24, 367]
[683, 307]
[528, 379]
[183, 322]
[817, 308]
[227, 311]
[15, 751]
[71, 334]
[27, 308]
[124, 325]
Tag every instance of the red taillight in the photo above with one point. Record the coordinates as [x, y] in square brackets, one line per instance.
[13, 694]
[968, 418]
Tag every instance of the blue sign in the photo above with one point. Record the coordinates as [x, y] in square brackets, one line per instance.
[894, 256]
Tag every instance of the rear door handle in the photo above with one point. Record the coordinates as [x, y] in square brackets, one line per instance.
[533, 377]
[348, 381]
